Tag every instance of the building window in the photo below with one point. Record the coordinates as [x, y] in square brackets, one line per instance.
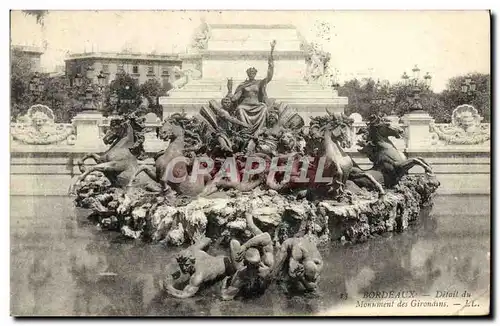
[78, 69]
[151, 70]
[135, 69]
[121, 68]
[164, 71]
[105, 68]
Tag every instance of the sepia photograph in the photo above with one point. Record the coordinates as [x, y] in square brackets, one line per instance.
[271, 163]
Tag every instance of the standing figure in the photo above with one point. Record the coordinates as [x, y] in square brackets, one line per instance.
[253, 261]
[194, 267]
[250, 97]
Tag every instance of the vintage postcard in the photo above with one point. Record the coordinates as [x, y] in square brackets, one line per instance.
[250, 163]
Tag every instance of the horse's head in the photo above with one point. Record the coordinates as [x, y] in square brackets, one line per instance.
[383, 127]
[117, 130]
[340, 127]
[170, 130]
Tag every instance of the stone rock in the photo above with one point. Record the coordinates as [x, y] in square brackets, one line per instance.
[139, 213]
[364, 215]
[267, 215]
[176, 236]
[296, 211]
[128, 232]
[163, 214]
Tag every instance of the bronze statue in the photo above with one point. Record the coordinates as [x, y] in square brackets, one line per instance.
[118, 163]
[252, 261]
[250, 97]
[223, 124]
[304, 262]
[193, 268]
[389, 163]
[163, 173]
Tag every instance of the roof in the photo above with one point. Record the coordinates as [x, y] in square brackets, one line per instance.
[27, 49]
[124, 56]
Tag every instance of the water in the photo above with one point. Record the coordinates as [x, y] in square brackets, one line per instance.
[57, 261]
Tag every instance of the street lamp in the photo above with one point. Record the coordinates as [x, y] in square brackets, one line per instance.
[405, 78]
[415, 88]
[90, 92]
[427, 80]
[88, 100]
[36, 86]
[416, 73]
[469, 88]
[101, 80]
[78, 79]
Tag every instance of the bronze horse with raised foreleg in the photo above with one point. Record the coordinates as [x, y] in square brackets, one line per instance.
[337, 135]
[162, 172]
[327, 138]
[117, 163]
[389, 163]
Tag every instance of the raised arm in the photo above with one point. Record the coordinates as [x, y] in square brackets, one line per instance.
[270, 64]
[251, 225]
[258, 241]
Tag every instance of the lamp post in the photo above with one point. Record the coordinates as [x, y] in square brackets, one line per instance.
[417, 120]
[91, 90]
[124, 98]
[468, 88]
[36, 87]
[415, 89]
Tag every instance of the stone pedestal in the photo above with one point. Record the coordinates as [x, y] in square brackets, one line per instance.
[417, 130]
[232, 49]
[86, 125]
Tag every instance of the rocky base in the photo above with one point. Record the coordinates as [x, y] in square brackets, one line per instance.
[163, 218]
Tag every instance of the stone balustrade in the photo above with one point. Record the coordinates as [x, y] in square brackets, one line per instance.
[459, 152]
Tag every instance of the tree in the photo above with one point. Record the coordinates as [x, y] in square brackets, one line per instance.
[61, 98]
[128, 92]
[152, 90]
[453, 96]
[360, 95]
[38, 14]
[20, 76]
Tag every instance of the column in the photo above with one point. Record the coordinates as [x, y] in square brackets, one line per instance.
[417, 129]
[86, 125]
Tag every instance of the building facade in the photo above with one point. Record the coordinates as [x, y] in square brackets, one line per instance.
[32, 53]
[140, 66]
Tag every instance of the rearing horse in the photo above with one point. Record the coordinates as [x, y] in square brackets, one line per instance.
[172, 162]
[328, 136]
[337, 135]
[117, 163]
[389, 163]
